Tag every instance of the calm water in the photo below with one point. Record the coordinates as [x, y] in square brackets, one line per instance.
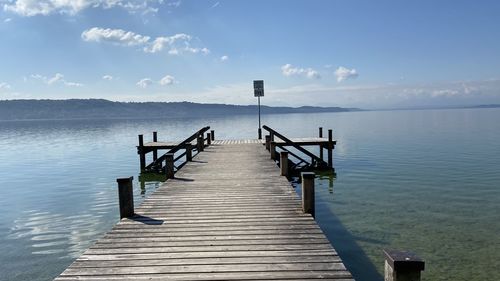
[421, 180]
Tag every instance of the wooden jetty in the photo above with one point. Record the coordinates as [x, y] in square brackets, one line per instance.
[228, 214]
[300, 159]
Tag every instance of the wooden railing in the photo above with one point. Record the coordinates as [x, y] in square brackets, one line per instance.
[315, 160]
[157, 164]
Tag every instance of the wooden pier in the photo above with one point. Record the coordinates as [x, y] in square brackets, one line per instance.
[228, 214]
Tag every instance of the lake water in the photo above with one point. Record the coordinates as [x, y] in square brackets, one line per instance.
[425, 180]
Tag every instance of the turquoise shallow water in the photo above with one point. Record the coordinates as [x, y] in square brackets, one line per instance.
[422, 180]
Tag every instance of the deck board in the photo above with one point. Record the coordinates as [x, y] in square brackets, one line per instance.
[227, 215]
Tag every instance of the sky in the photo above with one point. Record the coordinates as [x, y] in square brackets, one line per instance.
[367, 54]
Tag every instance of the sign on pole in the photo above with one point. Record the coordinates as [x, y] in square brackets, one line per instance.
[258, 88]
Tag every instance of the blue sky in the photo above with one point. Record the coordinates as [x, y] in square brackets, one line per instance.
[370, 54]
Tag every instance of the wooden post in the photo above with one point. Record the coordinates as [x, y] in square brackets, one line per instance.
[200, 143]
[402, 266]
[268, 142]
[209, 139]
[142, 155]
[189, 152]
[284, 163]
[321, 146]
[272, 136]
[272, 147]
[308, 193]
[169, 165]
[155, 151]
[126, 197]
[330, 148]
[212, 134]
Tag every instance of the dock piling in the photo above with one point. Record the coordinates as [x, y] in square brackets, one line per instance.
[402, 266]
[272, 147]
[155, 151]
[142, 155]
[330, 148]
[268, 142]
[308, 193]
[125, 197]
[200, 143]
[212, 134]
[169, 165]
[284, 163]
[320, 146]
[209, 139]
[189, 152]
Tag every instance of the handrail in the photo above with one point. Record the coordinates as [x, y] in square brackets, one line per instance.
[178, 147]
[296, 146]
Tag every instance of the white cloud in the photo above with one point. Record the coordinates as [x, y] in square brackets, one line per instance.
[224, 58]
[7, 20]
[343, 73]
[71, 7]
[216, 4]
[174, 45]
[144, 83]
[174, 4]
[289, 70]
[115, 36]
[56, 79]
[107, 77]
[167, 80]
[161, 42]
[4, 86]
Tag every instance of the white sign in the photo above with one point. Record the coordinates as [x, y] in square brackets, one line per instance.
[258, 88]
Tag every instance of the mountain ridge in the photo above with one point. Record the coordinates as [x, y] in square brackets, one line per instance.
[30, 109]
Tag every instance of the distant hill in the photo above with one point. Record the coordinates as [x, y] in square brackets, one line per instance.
[100, 108]
[484, 106]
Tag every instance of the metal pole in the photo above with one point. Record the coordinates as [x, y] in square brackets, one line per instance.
[260, 130]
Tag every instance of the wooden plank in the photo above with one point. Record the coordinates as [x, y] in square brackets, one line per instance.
[227, 215]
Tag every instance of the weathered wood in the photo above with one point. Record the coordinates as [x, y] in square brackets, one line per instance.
[402, 266]
[155, 151]
[209, 139]
[308, 193]
[227, 215]
[320, 135]
[272, 148]
[268, 142]
[169, 165]
[142, 154]
[200, 145]
[330, 148]
[284, 163]
[125, 197]
[189, 152]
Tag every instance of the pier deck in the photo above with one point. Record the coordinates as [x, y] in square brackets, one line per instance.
[227, 215]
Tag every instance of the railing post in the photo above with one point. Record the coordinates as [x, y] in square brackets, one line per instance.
[272, 147]
[169, 165]
[155, 151]
[209, 139]
[308, 193]
[284, 163]
[402, 266]
[321, 146]
[189, 152]
[330, 148]
[268, 142]
[126, 197]
[212, 134]
[272, 136]
[200, 143]
[142, 155]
